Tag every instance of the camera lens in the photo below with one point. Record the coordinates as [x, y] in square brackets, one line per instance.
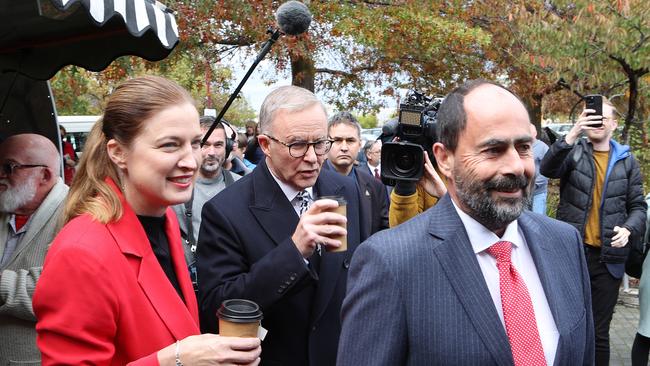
[404, 162]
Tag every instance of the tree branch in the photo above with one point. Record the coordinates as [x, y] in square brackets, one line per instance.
[352, 74]
[239, 41]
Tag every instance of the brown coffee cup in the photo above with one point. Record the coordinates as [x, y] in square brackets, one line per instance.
[239, 318]
[343, 210]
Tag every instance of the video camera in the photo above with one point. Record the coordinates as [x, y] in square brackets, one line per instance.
[403, 160]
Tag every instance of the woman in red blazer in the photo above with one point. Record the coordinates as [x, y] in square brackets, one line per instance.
[115, 288]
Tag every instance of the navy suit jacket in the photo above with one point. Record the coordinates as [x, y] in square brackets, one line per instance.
[373, 202]
[417, 296]
[365, 168]
[245, 251]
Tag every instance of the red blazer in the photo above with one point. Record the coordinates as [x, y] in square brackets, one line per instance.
[103, 298]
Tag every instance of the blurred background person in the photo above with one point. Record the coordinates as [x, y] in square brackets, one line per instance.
[115, 287]
[240, 147]
[31, 202]
[69, 158]
[233, 162]
[541, 182]
[212, 178]
[251, 129]
[253, 152]
[373, 158]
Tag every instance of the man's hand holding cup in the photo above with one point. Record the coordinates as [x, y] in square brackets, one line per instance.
[323, 223]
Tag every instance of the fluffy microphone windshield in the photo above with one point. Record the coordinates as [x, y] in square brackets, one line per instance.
[293, 18]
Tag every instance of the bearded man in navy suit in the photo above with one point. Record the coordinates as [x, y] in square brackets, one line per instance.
[266, 237]
[476, 279]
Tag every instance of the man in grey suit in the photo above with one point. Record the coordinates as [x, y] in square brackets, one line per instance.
[475, 280]
[31, 199]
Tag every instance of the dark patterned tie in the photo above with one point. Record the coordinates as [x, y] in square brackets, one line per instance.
[303, 201]
[518, 312]
[377, 174]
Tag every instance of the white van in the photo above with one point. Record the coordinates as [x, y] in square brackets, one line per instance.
[77, 129]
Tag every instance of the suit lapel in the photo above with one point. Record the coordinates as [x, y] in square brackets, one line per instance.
[543, 253]
[458, 261]
[270, 206]
[132, 240]
[365, 202]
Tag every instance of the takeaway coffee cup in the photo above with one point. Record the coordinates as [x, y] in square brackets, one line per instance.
[239, 318]
[343, 210]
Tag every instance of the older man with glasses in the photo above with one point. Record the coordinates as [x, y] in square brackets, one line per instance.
[267, 237]
[31, 198]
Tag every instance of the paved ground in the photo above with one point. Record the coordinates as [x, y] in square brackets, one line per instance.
[623, 327]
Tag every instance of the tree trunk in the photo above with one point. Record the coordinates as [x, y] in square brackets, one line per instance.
[631, 106]
[303, 72]
[533, 103]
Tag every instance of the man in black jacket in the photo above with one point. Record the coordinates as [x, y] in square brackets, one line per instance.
[601, 194]
[266, 237]
[345, 132]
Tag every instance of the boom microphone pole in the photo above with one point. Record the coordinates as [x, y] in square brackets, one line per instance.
[293, 18]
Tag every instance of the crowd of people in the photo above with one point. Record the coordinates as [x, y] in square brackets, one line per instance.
[129, 261]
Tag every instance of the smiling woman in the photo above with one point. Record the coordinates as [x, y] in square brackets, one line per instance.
[118, 263]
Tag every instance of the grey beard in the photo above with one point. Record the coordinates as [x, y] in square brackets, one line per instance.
[491, 213]
[16, 197]
[210, 168]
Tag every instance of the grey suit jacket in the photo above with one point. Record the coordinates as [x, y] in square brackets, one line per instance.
[19, 277]
[417, 296]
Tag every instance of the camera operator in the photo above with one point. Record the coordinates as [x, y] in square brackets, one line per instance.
[407, 164]
[409, 199]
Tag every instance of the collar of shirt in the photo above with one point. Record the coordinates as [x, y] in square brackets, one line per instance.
[372, 168]
[481, 238]
[12, 224]
[289, 191]
[210, 181]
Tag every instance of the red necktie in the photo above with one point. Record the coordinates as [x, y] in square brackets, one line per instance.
[377, 174]
[21, 220]
[518, 312]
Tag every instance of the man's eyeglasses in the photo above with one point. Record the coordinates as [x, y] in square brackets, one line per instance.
[9, 168]
[299, 149]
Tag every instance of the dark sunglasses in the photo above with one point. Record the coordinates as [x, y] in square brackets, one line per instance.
[9, 168]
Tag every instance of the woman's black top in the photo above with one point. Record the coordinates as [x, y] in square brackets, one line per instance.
[155, 229]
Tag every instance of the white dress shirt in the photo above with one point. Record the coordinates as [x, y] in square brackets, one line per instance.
[481, 239]
[291, 193]
[372, 169]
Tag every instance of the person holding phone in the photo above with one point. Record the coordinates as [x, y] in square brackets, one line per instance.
[601, 194]
[115, 289]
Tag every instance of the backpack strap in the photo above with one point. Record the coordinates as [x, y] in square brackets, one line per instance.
[188, 223]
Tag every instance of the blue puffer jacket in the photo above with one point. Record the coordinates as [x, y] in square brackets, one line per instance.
[622, 203]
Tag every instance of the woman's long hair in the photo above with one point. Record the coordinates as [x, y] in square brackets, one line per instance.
[128, 107]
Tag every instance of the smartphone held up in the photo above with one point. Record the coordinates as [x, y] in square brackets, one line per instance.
[595, 102]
